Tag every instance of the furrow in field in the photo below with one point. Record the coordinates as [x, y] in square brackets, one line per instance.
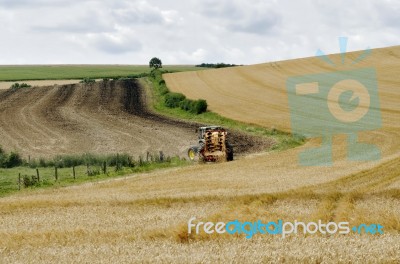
[103, 118]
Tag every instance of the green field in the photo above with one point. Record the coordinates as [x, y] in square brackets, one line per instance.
[65, 72]
[9, 177]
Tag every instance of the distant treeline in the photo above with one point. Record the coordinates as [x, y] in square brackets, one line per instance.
[216, 65]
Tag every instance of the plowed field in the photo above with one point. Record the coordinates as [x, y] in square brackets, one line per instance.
[97, 118]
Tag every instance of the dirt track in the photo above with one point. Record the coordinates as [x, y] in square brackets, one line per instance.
[6, 85]
[99, 118]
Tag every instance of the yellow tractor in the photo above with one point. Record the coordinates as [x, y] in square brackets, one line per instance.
[213, 145]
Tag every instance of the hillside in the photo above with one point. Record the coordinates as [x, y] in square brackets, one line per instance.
[144, 218]
[97, 118]
[101, 118]
[257, 94]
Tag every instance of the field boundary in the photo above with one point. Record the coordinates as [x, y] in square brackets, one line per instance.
[282, 140]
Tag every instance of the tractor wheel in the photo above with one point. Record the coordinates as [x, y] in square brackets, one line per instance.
[201, 150]
[229, 152]
[192, 153]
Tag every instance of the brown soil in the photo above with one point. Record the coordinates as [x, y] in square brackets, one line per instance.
[98, 118]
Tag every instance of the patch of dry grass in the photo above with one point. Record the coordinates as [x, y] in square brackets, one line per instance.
[113, 221]
[345, 249]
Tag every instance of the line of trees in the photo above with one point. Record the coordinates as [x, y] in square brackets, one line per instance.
[175, 100]
[216, 65]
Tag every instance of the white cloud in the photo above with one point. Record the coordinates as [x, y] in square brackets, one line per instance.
[256, 17]
[137, 12]
[114, 43]
[231, 31]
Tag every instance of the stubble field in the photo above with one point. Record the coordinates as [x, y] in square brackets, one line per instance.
[144, 218]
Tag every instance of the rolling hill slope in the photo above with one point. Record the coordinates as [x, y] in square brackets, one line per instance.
[98, 118]
[144, 218]
[103, 118]
[257, 94]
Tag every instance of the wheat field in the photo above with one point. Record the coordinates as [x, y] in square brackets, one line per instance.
[143, 218]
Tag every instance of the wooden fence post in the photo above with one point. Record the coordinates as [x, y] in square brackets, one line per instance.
[37, 174]
[73, 172]
[147, 157]
[56, 173]
[105, 167]
[19, 181]
[161, 156]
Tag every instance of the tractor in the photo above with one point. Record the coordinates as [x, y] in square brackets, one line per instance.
[213, 145]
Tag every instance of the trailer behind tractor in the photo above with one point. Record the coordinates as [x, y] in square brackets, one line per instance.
[213, 145]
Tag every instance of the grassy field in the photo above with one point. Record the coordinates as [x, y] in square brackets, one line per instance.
[9, 177]
[65, 72]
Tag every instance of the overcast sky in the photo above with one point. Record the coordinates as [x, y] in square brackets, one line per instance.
[189, 31]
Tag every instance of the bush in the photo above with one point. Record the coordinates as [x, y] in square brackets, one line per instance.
[163, 90]
[29, 181]
[186, 105]
[13, 160]
[67, 161]
[10, 160]
[140, 75]
[42, 162]
[173, 100]
[93, 172]
[88, 80]
[16, 86]
[195, 107]
[3, 158]
[199, 106]
[119, 160]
